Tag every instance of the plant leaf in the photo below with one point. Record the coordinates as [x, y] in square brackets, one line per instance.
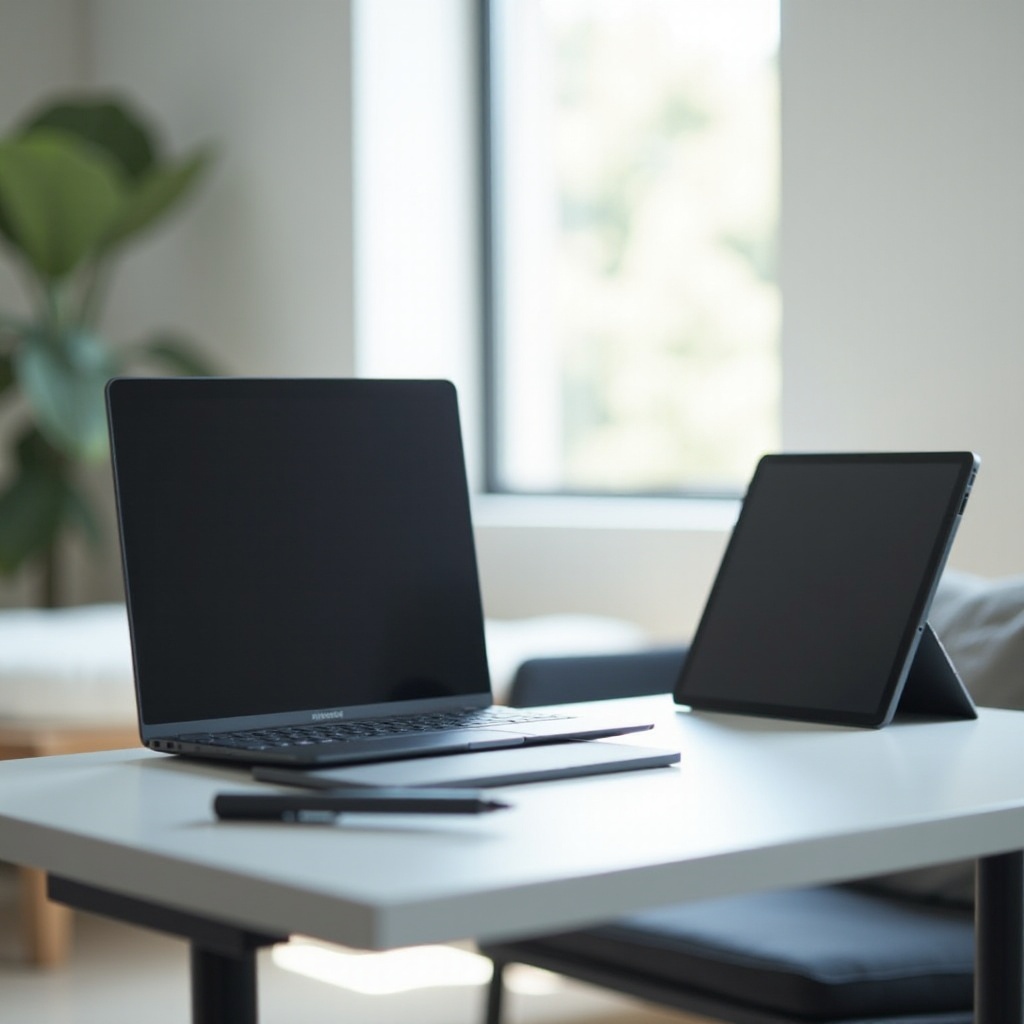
[109, 123]
[78, 511]
[62, 375]
[6, 372]
[32, 507]
[13, 324]
[156, 193]
[174, 352]
[7, 229]
[11, 332]
[58, 200]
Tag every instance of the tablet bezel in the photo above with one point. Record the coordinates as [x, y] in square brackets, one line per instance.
[967, 464]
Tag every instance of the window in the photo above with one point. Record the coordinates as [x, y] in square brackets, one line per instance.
[631, 186]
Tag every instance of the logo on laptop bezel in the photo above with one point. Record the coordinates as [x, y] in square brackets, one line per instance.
[322, 716]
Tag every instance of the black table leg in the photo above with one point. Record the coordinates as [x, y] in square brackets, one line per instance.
[223, 960]
[999, 939]
[223, 987]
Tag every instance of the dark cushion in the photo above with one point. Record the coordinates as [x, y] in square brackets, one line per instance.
[567, 679]
[826, 953]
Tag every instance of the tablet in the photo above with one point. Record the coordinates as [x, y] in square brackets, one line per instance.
[822, 595]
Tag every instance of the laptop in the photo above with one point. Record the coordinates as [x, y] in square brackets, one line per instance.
[819, 610]
[300, 573]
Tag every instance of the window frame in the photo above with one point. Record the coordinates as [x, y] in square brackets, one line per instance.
[490, 71]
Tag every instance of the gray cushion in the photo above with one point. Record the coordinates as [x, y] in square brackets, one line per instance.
[981, 624]
[823, 953]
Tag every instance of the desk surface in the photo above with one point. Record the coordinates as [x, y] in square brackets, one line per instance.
[754, 804]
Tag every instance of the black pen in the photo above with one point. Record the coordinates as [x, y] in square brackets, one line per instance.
[326, 806]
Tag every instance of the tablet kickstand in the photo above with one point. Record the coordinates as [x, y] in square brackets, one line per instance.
[933, 685]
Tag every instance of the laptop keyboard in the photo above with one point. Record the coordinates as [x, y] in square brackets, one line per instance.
[371, 728]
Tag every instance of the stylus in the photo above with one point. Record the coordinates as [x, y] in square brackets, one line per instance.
[315, 807]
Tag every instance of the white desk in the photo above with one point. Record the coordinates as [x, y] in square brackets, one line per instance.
[754, 804]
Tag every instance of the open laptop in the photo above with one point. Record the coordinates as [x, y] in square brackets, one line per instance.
[300, 573]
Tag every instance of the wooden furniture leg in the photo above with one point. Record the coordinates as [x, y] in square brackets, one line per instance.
[46, 926]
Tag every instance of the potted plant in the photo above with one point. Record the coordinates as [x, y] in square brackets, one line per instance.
[80, 179]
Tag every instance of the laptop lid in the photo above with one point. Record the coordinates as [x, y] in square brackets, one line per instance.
[295, 550]
[822, 596]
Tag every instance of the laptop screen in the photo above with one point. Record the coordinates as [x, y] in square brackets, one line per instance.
[825, 585]
[293, 545]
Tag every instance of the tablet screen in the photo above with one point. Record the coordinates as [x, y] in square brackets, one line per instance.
[825, 585]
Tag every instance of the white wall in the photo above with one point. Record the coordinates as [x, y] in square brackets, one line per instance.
[260, 269]
[417, 197]
[40, 49]
[902, 242]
